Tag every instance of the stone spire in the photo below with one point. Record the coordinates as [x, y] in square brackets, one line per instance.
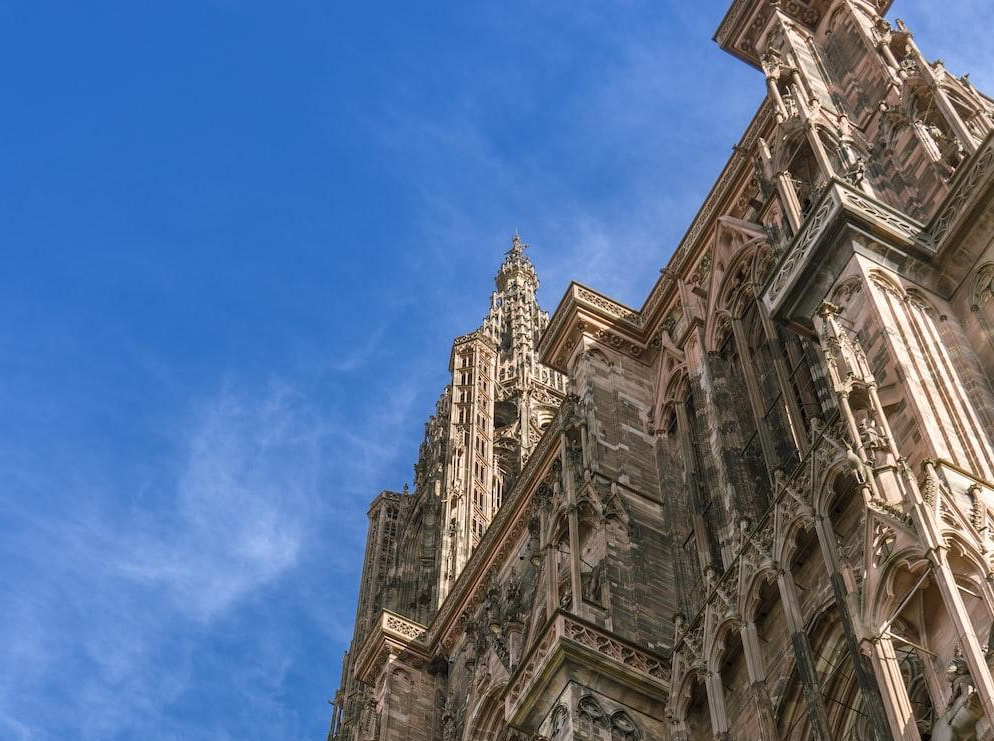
[502, 399]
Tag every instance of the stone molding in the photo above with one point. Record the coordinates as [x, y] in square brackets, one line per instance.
[583, 311]
[566, 635]
[839, 202]
[393, 635]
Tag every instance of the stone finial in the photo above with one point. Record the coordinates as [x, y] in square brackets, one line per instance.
[518, 247]
[516, 263]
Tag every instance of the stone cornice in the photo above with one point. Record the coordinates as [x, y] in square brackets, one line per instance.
[582, 311]
[477, 335]
[566, 637]
[746, 18]
[393, 635]
[387, 495]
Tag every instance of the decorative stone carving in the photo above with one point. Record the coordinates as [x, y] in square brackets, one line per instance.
[682, 523]
[589, 708]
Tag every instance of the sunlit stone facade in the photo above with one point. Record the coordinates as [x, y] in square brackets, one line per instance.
[761, 505]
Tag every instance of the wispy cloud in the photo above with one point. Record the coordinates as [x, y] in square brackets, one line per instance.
[243, 502]
[647, 144]
[177, 588]
[115, 604]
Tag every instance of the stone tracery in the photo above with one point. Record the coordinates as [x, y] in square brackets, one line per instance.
[764, 509]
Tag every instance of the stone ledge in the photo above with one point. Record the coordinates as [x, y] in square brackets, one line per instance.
[393, 635]
[574, 649]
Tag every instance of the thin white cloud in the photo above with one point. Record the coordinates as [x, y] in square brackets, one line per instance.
[634, 120]
[242, 503]
[123, 604]
[123, 600]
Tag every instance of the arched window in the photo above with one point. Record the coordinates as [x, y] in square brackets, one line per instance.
[806, 174]
[697, 719]
[488, 723]
[699, 538]
[675, 467]
[623, 727]
[766, 384]
[750, 471]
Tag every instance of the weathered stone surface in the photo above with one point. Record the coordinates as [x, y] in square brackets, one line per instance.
[760, 506]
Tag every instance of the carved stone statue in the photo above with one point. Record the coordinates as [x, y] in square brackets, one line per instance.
[590, 583]
[964, 713]
[873, 439]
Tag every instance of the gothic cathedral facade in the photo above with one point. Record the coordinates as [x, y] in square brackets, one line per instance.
[759, 507]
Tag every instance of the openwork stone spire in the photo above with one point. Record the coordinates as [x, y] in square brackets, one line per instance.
[502, 400]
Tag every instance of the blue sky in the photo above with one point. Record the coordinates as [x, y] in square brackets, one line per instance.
[238, 237]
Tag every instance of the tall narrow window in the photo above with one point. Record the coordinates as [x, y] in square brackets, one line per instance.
[752, 477]
[704, 500]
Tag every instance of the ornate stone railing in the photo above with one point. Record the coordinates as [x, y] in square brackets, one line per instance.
[580, 296]
[393, 634]
[585, 296]
[566, 634]
[796, 256]
[965, 190]
[400, 627]
[629, 654]
[840, 198]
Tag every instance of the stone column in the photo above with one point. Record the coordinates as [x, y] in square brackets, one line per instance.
[894, 483]
[803, 656]
[549, 565]
[755, 396]
[774, 93]
[819, 151]
[574, 525]
[783, 378]
[716, 703]
[945, 105]
[906, 487]
[896, 700]
[788, 197]
[692, 482]
[865, 678]
[973, 653]
[758, 692]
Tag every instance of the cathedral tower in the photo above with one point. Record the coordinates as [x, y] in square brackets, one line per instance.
[765, 509]
[502, 400]
[488, 419]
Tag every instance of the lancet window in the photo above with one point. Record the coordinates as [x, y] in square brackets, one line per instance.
[769, 386]
[702, 544]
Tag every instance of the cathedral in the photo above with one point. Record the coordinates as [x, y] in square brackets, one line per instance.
[760, 507]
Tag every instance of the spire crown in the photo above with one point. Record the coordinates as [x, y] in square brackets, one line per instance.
[517, 246]
[516, 265]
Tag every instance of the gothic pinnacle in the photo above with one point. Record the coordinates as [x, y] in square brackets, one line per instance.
[517, 246]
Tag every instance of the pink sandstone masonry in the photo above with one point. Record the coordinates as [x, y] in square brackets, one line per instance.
[761, 506]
